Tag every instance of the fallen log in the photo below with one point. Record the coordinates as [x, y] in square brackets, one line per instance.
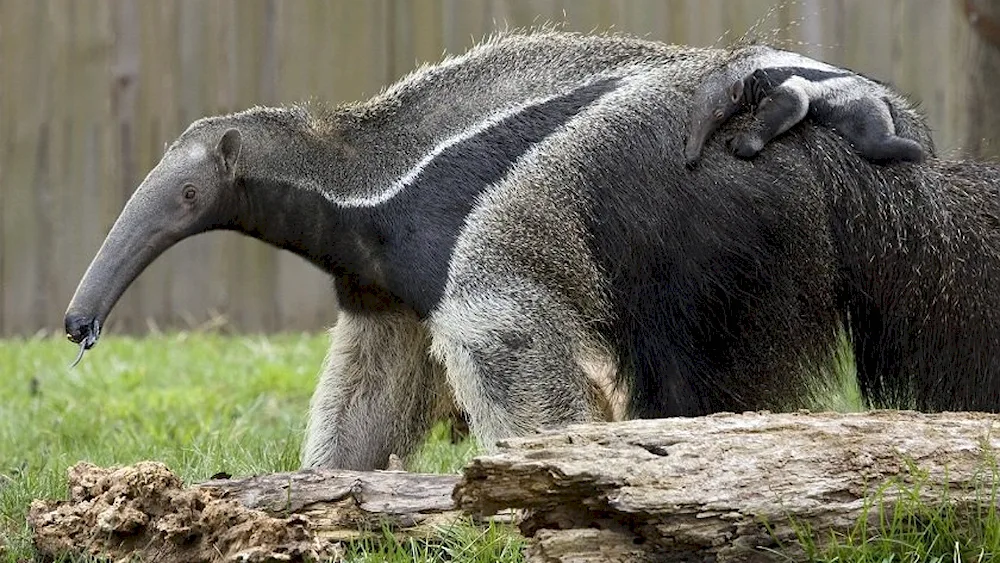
[718, 488]
[727, 487]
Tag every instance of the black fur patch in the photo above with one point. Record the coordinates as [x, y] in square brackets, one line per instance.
[763, 80]
[777, 75]
[419, 227]
[699, 265]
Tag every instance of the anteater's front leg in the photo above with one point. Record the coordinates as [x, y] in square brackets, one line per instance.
[517, 361]
[379, 392]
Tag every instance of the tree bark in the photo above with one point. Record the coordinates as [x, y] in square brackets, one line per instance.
[983, 17]
[726, 487]
[717, 488]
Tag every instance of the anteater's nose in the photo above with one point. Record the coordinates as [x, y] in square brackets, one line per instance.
[80, 327]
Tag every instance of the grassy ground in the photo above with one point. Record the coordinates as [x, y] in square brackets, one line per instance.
[205, 403]
[201, 403]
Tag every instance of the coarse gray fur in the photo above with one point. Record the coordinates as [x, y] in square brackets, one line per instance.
[784, 87]
[589, 276]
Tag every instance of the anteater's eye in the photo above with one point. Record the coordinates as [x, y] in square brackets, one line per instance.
[718, 114]
[190, 193]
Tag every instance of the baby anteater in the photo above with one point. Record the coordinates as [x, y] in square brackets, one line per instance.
[785, 87]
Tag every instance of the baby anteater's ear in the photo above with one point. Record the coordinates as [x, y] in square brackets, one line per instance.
[229, 149]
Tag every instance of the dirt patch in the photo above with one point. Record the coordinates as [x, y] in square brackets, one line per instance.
[144, 511]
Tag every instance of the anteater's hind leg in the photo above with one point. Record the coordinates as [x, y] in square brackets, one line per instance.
[516, 363]
[379, 393]
[777, 113]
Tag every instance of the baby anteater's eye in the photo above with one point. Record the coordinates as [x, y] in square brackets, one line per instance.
[718, 114]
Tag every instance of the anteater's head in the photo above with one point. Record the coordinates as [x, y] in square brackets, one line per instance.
[191, 190]
[713, 103]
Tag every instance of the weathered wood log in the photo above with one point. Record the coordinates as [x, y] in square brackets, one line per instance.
[727, 487]
[346, 505]
[144, 510]
[717, 488]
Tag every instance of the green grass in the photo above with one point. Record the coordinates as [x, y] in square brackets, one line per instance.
[897, 526]
[204, 403]
[201, 403]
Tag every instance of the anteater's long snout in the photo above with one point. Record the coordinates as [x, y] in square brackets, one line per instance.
[136, 239]
[692, 153]
[694, 142]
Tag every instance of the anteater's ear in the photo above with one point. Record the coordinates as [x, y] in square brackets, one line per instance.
[229, 149]
[736, 91]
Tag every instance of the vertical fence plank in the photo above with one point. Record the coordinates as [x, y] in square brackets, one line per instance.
[7, 73]
[818, 34]
[415, 35]
[20, 242]
[43, 224]
[512, 14]
[464, 22]
[11, 75]
[6, 142]
[954, 123]
[586, 16]
[649, 19]
[41, 182]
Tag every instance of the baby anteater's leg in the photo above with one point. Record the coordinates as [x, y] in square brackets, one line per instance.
[869, 125]
[890, 147]
[776, 113]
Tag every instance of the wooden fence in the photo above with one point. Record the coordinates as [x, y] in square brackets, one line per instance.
[91, 90]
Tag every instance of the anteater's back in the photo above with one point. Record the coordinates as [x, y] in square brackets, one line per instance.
[707, 290]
